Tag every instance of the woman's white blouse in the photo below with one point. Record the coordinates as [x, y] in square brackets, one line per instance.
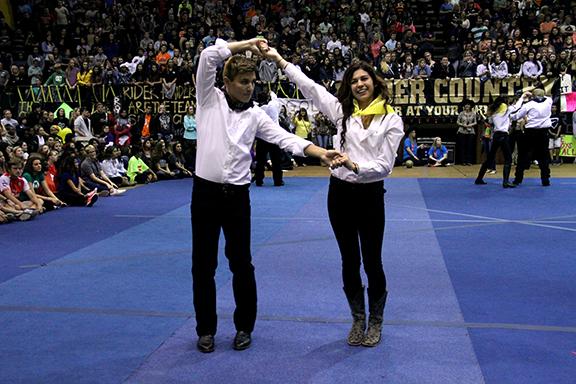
[374, 149]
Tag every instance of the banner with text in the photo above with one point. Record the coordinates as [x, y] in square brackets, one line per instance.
[411, 98]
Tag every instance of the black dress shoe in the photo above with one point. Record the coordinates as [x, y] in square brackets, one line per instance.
[508, 185]
[242, 341]
[281, 183]
[259, 183]
[546, 183]
[205, 343]
[480, 182]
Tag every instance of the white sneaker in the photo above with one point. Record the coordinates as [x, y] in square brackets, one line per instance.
[117, 192]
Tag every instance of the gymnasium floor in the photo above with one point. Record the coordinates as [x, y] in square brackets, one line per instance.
[481, 283]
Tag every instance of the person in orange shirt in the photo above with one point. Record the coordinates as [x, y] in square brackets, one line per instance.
[547, 25]
[163, 56]
[144, 123]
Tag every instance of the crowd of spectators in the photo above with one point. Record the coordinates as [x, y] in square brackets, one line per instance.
[85, 43]
[82, 43]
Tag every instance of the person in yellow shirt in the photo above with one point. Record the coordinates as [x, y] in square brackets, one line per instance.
[303, 129]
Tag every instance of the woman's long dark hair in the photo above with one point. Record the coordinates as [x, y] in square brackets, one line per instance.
[492, 108]
[346, 98]
[28, 168]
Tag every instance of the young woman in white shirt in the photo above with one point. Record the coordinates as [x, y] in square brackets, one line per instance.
[368, 136]
[499, 115]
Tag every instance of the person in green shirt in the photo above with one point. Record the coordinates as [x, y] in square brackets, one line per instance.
[34, 175]
[138, 171]
[57, 78]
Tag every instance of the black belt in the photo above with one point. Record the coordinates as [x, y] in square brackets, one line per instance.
[224, 187]
[376, 184]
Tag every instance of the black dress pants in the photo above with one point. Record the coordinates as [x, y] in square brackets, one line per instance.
[499, 141]
[225, 207]
[534, 145]
[357, 217]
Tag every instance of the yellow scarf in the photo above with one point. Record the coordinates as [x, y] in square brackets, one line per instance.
[501, 109]
[378, 106]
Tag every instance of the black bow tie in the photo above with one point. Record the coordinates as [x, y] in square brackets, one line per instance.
[238, 106]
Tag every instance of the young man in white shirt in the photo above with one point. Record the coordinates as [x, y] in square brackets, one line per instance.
[538, 109]
[227, 124]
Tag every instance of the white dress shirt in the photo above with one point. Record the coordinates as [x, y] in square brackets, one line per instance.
[83, 132]
[225, 136]
[272, 109]
[501, 121]
[373, 149]
[538, 113]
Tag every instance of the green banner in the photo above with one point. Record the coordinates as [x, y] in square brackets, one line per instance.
[568, 148]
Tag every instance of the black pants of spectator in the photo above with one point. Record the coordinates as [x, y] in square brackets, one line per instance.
[264, 148]
[465, 148]
[416, 162]
[117, 180]
[533, 145]
[72, 199]
[162, 175]
[190, 154]
[499, 141]
[225, 207]
[92, 185]
[143, 177]
[357, 217]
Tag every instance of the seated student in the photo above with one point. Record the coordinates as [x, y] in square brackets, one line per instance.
[51, 173]
[34, 175]
[93, 175]
[71, 188]
[160, 157]
[177, 160]
[138, 170]
[14, 188]
[113, 167]
[437, 154]
[410, 155]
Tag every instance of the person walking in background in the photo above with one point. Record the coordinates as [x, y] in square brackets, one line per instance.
[537, 108]
[227, 123]
[269, 103]
[499, 115]
[368, 135]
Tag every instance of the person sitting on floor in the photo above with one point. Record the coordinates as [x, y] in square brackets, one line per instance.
[437, 154]
[71, 187]
[34, 175]
[138, 170]
[93, 175]
[17, 190]
[410, 156]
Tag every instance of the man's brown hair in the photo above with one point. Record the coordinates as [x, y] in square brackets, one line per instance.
[236, 65]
